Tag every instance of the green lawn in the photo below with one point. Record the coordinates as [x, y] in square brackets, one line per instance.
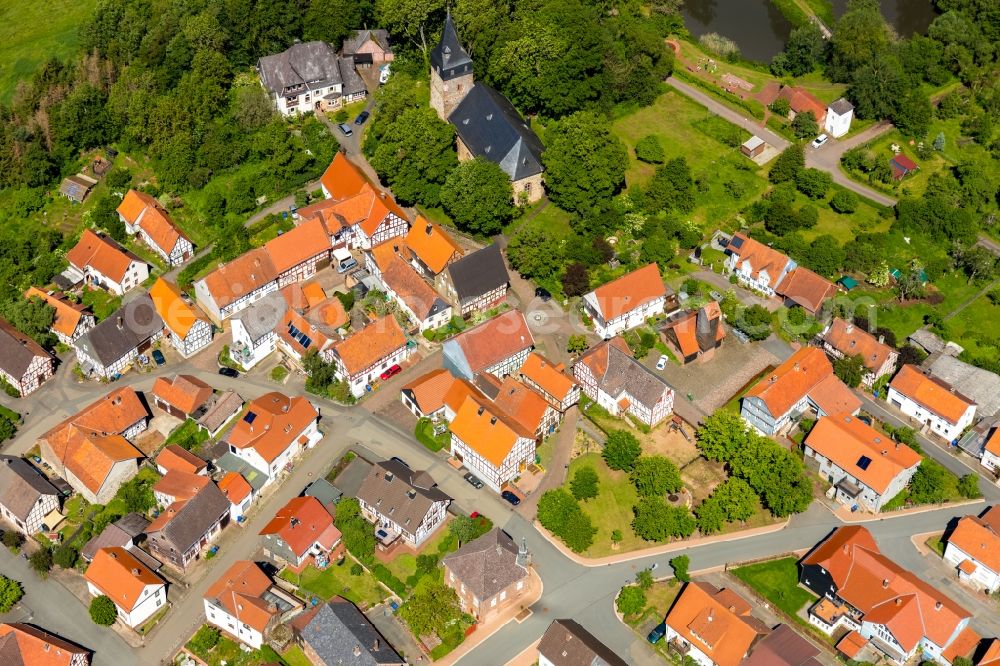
[187, 435]
[337, 581]
[936, 545]
[294, 656]
[424, 433]
[967, 329]
[100, 302]
[778, 582]
[230, 653]
[34, 32]
[611, 509]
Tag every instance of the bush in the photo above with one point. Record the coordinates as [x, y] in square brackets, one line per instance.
[204, 640]
[844, 202]
[65, 556]
[648, 149]
[10, 593]
[968, 486]
[386, 577]
[631, 600]
[680, 566]
[584, 483]
[41, 561]
[103, 611]
[357, 569]
[560, 513]
[622, 450]
[13, 540]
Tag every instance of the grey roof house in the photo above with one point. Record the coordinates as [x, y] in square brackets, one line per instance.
[23, 363]
[402, 502]
[477, 281]
[178, 535]
[486, 572]
[114, 344]
[567, 643]
[26, 497]
[981, 386]
[308, 76]
[338, 633]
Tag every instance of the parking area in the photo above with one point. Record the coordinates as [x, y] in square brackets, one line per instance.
[984, 608]
[713, 383]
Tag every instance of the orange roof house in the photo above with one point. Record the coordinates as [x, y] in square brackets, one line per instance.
[370, 346]
[976, 541]
[498, 345]
[424, 396]
[180, 395]
[846, 339]
[329, 313]
[805, 380]
[101, 254]
[414, 294]
[299, 334]
[173, 457]
[991, 655]
[801, 100]
[715, 622]
[931, 393]
[558, 388]
[306, 242]
[272, 424]
[431, 247]
[119, 575]
[640, 293]
[25, 645]
[806, 289]
[251, 271]
[848, 565]
[863, 454]
[235, 488]
[301, 526]
[178, 315]
[524, 406]
[341, 179]
[177, 486]
[244, 597]
[751, 258]
[86, 447]
[696, 332]
[487, 430]
[140, 211]
[71, 319]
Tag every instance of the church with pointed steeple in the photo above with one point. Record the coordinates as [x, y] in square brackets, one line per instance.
[486, 124]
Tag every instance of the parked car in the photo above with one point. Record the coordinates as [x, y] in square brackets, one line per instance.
[473, 480]
[362, 117]
[158, 357]
[228, 372]
[658, 632]
[347, 264]
[820, 140]
[345, 129]
[662, 363]
[716, 296]
[543, 293]
[510, 497]
[391, 372]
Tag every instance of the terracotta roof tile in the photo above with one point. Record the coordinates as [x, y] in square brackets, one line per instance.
[313, 293]
[103, 254]
[993, 443]
[979, 538]
[329, 313]
[119, 575]
[494, 340]
[549, 377]
[846, 441]
[834, 397]
[486, 431]
[806, 288]
[963, 645]
[240, 592]
[852, 340]
[411, 289]
[522, 404]
[152, 219]
[370, 345]
[174, 457]
[991, 656]
[432, 245]
[760, 256]
[235, 487]
[300, 524]
[342, 179]
[184, 392]
[801, 100]
[806, 371]
[175, 312]
[179, 485]
[705, 617]
[35, 647]
[277, 421]
[931, 393]
[305, 241]
[630, 291]
[851, 644]
[241, 276]
[67, 316]
[428, 390]
[460, 389]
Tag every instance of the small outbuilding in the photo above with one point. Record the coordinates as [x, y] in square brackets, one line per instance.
[838, 118]
[902, 166]
[753, 147]
[76, 188]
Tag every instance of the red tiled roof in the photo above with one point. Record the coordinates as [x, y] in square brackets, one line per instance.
[432, 245]
[158, 226]
[35, 647]
[801, 100]
[931, 393]
[241, 276]
[494, 340]
[760, 256]
[370, 345]
[180, 486]
[304, 242]
[300, 524]
[184, 392]
[549, 377]
[963, 645]
[979, 538]
[174, 457]
[120, 575]
[486, 430]
[429, 389]
[805, 371]
[716, 621]
[175, 312]
[806, 289]
[67, 316]
[277, 421]
[103, 254]
[851, 340]
[240, 592]
[235, 487]
[630, 291]
[342, 179]
[851, 644]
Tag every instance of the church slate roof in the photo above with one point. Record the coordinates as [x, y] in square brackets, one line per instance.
[490, 127]
[449, 57]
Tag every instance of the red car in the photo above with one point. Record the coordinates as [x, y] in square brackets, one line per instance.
[391, 372]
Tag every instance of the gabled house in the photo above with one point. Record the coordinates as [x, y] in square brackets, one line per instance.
[175, 458]
[297, 254]
[361, 358]
[523, 405]
[977, 384]
[180, 396]
[783, 647]
[498, 346]
[24, 365]
[756, 265]
[178, 486]
[255, 330]
[239, 492]
[991, 451]
[695, 334]
[26, 497]
[843, 339]
[236, 285]
[126, 532]
[475, 282]
[550, 381]
[187, 329]
[864, 467]
[220, 410]
[301, 529]
[431, 249]
[105, 264]
[338, 633]
[486, 124]
[310, 76]
[143, 216]
[25, 645]
[402, 503]
[424, 396]
[488, 574]
[298, 335]
[931, 401]
[341, 180]
[245, 604]
[136, 591]
[801, 100]
[802, 287]
[712, 627]
[805, 382]
[886, 607]
[274, 430]
[71, 320]
[839, 115]
[404, 285]
[973, 548]
[567, 643]
[490, 444]
[627, 302]
[611, 377]
[186, 527]
[90, 449]
[112, 346]
[368, 47]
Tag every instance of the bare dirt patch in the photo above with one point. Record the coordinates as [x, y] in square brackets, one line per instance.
[701, 477]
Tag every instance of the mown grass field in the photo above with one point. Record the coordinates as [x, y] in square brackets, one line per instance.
[33, 32]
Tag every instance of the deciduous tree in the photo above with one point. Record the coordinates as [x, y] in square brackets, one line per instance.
[10, 593]
[622, 450]
[534, 253]
[585, 163]
[654, 476]
[631, 600]
[478, 196]
[584, 484]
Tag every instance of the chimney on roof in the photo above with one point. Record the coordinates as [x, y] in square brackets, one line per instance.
[493, 420]
[711, 614]
[375, 645]
[479, 412]
[899, 601]
[849, 328]
[429, 229]
[796, 366]
[885, 583]
[938, 606]
[881, 339]
[134, 571]
[357, 650]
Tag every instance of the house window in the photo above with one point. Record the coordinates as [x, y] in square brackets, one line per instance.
[493, 602]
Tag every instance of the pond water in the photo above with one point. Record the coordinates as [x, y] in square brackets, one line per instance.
[760, 30]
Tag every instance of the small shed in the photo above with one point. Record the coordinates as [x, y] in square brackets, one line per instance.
[902, 166]
[847, 282]
[753, 146]
[76, 188]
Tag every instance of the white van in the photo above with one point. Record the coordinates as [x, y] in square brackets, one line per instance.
[343, 260]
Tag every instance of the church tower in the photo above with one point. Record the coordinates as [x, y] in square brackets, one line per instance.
[451, 71]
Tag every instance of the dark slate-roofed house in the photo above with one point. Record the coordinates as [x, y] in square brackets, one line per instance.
[113, 345]
[486, 123]
[26, 497]
[309, 76]
[23, 363]
[338, 633]
[567, 643]
[179, 534]
[477, 281]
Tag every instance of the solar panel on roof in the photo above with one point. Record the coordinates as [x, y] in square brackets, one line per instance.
[294, 332]
[250, 416]
[736, 242]
[305, 341]
[864, 461]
